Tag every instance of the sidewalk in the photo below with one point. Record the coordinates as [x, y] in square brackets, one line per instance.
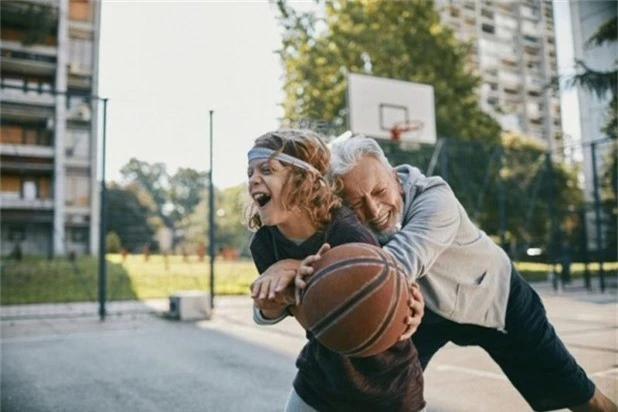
[142, 362]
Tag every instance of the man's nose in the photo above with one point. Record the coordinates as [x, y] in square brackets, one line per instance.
[371, 208]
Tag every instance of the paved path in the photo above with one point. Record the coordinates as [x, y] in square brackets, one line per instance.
[145, 363]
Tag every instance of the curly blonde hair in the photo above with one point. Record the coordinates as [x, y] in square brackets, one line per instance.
[303, 189]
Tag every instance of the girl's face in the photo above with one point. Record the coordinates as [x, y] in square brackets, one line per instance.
[266, 180]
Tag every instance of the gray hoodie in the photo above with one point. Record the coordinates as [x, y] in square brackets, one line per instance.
[463, 274]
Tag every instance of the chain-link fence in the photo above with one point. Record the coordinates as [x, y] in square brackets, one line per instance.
[544, 209]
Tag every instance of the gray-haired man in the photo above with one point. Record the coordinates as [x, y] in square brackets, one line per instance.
[473, 293]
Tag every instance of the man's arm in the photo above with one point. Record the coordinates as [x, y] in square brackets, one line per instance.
[427, 230]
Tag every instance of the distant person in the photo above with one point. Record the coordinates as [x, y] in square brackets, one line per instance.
[295, 213]
[473, 293]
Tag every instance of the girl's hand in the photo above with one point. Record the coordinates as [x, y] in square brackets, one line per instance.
[305, 270]
[273, 283]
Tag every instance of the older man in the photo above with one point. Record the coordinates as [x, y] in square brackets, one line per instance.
[473, 293]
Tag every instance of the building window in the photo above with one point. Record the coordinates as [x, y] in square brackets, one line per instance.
[29, 190]
[80, 56]
[77, 143]
[80, 10]
[10, 187]
[487, 28]
[77, 190]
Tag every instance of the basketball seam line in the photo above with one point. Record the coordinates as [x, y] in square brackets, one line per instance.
[339, 265]
[347, 306]
[385, 322]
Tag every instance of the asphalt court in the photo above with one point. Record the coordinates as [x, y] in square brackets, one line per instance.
[228, 363]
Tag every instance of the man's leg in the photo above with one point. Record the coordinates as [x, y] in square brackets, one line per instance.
[598, 403]
[536, 361]
[431, 335]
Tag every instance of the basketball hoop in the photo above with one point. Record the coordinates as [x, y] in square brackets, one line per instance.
[412, 130]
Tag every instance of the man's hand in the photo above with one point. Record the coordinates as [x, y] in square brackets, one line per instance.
[417, 310]
[273, 283]
[305, 270]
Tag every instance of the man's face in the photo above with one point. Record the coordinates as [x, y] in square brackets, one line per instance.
[373, 192]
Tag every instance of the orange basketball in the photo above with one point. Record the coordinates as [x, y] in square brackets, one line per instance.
[356, 301]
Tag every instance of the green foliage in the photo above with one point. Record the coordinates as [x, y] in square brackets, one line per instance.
[230, 230]
[484, 175]
[36, 280]
[112, 242]
[174, 197]
[393, 39]
[130, 215]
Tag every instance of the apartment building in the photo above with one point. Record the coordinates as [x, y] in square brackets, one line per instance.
[514, 52]
[586, 18]
[49, 197]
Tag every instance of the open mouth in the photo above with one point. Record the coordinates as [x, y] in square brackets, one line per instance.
[261, 199]
[381, 221]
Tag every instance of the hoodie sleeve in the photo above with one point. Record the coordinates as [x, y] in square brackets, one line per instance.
[430, 224]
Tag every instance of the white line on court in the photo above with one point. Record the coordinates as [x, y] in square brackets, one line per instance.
[470, 371]
[608, 373]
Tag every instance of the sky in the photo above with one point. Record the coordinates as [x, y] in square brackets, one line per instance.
[164, 65]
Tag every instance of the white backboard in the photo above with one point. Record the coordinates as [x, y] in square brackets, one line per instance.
[378, 104]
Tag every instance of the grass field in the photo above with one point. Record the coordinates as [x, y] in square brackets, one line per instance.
[37, 280]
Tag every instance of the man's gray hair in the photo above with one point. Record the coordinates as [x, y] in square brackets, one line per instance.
[346, 153]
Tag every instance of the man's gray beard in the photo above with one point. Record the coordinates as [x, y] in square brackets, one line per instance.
[385, 235]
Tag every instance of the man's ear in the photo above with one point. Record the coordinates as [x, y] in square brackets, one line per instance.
[397, 180]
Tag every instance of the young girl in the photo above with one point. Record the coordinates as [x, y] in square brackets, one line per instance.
[295, 212]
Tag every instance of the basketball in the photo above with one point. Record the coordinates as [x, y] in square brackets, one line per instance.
[356, 301]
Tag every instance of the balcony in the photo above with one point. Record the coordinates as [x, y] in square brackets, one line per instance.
[25, 113]
[26, 150]
[13, 202]
[31, 164]
[14, 91]
[33, 60]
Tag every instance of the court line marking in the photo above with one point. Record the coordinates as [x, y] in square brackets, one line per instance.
[611, 373]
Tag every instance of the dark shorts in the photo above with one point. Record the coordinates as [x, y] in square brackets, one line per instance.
[530, 353]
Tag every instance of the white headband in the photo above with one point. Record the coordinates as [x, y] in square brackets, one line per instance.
[258, 153]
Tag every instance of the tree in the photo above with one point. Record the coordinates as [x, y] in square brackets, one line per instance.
[128, 217]
[174, 196]
[230, 230]
[393, 39]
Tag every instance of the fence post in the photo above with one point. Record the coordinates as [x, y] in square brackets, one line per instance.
[584, 246]
[211, 220]
[103, 222]
[444, 161]
[552, 220]
[597, 216]
[501, 201]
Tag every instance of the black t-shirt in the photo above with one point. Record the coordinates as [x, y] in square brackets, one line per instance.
[389, 381]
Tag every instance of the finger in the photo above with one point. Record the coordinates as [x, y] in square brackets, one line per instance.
[264, 290]
[323, 249]
[285, 280]
[255, 288]
[305, 271]
[297, 296]
[412, 327]
[272, 287]
[299, 282]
